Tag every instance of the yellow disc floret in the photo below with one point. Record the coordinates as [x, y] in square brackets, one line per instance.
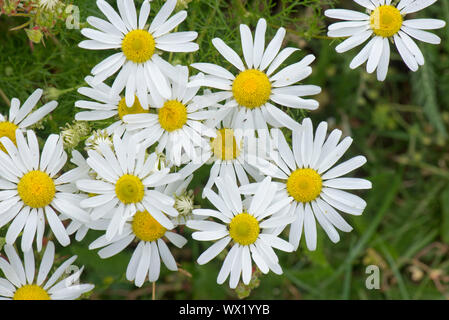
[304, 185]
[146, 228]
[136, 108]
[244, 229]
[36, 189]
[129, 189]
[31, 292]
[386, 21]
[251, 88]
[173, 115]
[224, 145]
[138, 46]
[7, 129]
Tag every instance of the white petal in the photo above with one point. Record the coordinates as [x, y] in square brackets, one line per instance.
[353, 41]
[310, 228]
[375, 55]
[408, 58]
[228, 53]
[425, 24]
[344, 14]
[213, 251]
[163, 15]
[259, 42]
[166, 256]
[247, 44]
[424, 36]
[46, 262]
[273, 49]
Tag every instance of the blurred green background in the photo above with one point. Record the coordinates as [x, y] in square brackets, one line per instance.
[401, 126]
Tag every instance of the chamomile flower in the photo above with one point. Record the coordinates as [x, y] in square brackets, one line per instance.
[256, 88]
[384, 22]
[143, 228]
[237, 153]
[73, 133]
[177, 127]
[184, 200]
[311, 187]
[141, 67]
[98, 137]
[32, 193]
[124, 184]
[21, 117]
[22, 283]
[106, 105]
[247, 224]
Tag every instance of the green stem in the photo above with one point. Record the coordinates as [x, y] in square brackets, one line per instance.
[240, 7]
[21, 26]
[208, 22]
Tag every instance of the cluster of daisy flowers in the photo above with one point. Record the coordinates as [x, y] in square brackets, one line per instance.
[268, 172]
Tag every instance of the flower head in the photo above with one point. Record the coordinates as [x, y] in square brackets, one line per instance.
[141, 67]
[32, 192]
[248, 224]
[257, 87]
[124, 184]
[384, 22]
[310, 184]
[22, 283]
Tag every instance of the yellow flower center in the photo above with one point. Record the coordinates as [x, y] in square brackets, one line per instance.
[36, 189]
[304, 185]
[386, 21]
[146, 228]
[251, 88]
[7, 129]
[244, 229]
[31, 292]
[173, 115]
[138, 46]
[224, 145]
[129, 189]
[136, 108]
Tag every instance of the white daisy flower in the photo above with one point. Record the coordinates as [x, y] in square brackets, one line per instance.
[177, 126]
[31, 190]
[142, 68]
[21, 117]
[247, 224]
[384, 22]
[236, 153]
[125, 184]
[106, 105]
[256, 88]
[309, 184]
[22, 283]
[151, 248]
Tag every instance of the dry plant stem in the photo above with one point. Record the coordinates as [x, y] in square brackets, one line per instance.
[153, 295]
[185, 272]
[437, 279]
[5, 98]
